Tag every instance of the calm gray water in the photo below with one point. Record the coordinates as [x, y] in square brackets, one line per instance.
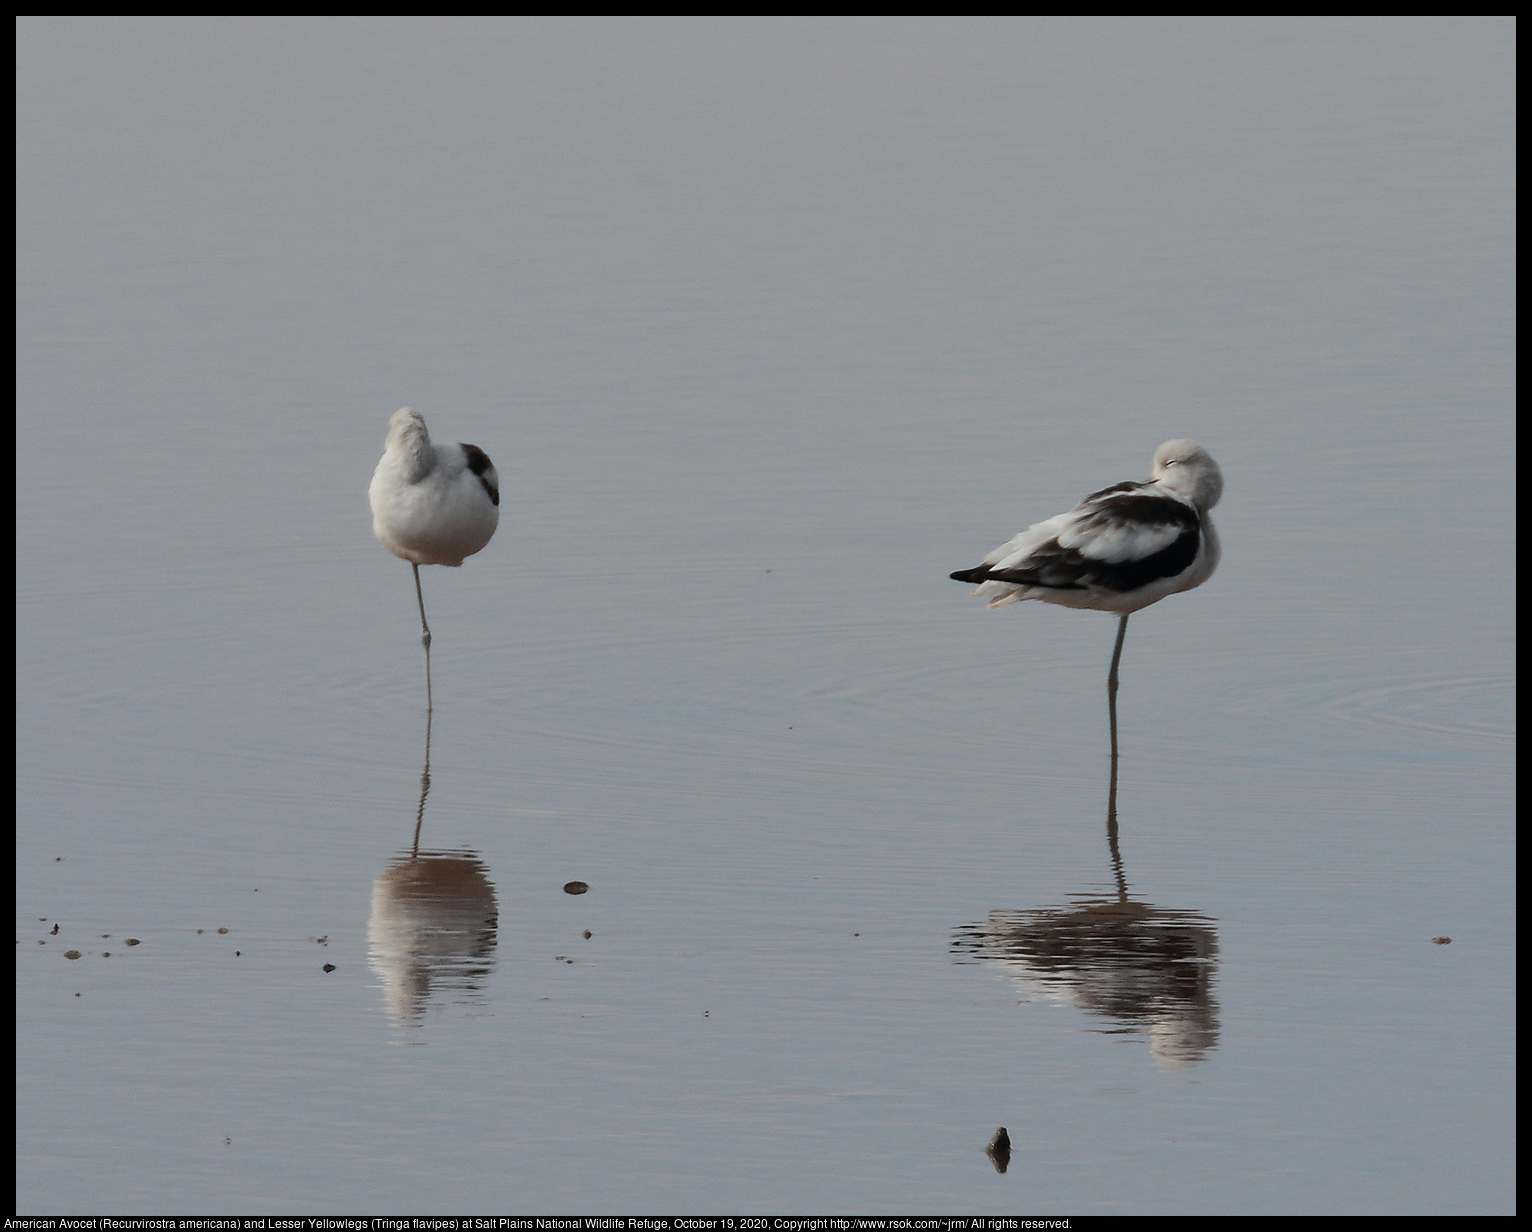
[768, 325]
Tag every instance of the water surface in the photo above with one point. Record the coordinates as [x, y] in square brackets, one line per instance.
[768, 325]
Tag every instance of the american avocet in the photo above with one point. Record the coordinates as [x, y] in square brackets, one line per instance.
[1118, 550]
[431, 504]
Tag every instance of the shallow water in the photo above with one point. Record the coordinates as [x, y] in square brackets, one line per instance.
[768, 326]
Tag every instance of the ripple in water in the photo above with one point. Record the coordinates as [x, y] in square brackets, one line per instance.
[1474, 710]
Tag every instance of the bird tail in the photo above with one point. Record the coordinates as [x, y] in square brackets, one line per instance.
[998, 591]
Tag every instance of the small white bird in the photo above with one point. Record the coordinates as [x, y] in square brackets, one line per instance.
[1119, 550]
[431, 504]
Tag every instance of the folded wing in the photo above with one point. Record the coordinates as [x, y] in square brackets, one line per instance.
[1118, 539]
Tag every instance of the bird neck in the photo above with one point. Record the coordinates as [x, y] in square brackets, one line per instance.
[412, 446]
[1211, 548]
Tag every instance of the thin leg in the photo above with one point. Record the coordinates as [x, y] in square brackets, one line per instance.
[425, 634]
[425, 786]
[1111, 794]
[425, 629]
[1111, 699]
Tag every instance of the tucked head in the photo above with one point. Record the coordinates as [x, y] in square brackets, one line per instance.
[1186, 469]
[404, 423]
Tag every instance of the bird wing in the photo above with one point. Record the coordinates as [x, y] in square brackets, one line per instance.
[1118, 539]
[479, 463]
[1126, 523]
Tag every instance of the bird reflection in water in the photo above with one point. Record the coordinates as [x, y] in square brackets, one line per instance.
[1147, 970]
[432, 931]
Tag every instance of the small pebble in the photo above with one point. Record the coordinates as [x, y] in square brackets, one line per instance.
[587, 934]
[575, 887]
[131, 941]
[999, 1149]
[1441, 940]
[223, 930]
[71, 953]
[327, 968]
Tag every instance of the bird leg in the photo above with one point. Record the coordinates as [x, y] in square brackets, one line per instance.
[425, 787]
[425, 633]
[1111, 714]
[1111, 690]
[425, 629]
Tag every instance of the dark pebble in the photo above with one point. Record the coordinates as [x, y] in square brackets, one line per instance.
[999, 1149]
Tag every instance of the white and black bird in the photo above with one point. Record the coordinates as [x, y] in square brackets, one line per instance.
[431, 504]
[1118, 550]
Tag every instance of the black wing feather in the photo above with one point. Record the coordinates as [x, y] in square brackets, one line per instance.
[1054, 567]
[479, 463]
